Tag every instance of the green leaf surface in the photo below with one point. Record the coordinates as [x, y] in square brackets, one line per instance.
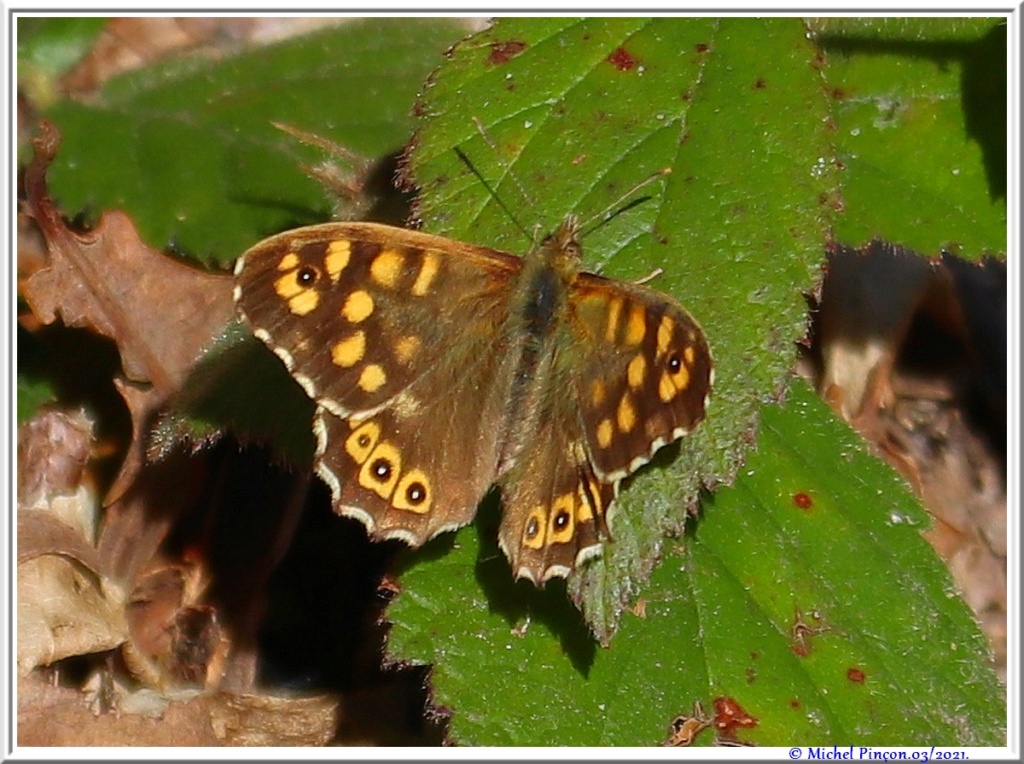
[188, 149]
[814, 529]
[921, 118]
[583, 110]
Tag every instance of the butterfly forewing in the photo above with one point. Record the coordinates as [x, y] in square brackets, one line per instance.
[360, 313]
[643, 371]
[357, 311]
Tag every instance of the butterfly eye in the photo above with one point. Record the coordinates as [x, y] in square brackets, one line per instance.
[307, 275]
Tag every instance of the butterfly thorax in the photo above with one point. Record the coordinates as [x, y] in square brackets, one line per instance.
[539, 312]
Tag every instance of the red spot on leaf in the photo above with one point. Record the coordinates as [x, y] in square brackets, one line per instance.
[730, 716]
[504, 51]
[701, 47]
[759, 84]
[622, 59]
[854, 674]
[802, 501]
[794, 703]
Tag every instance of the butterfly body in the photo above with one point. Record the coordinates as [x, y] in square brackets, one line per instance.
[441, 368]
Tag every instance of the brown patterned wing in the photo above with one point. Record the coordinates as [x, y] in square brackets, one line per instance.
[555, 505]
[359, 311]
[643, 372]
[392, 333]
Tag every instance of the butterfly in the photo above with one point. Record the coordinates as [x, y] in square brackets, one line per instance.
[441, 368]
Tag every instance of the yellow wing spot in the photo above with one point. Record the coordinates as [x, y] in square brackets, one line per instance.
[406, 348]
[611, 330]
[336, 260]
[636, 372]
[666, 390]
[626, 415]
[426, 275]
[288, 262]
[665, 330]
[357, 306]
[381, 469]
[304, 303]
[688, 354]
[598, 392]
[636, 327]
[372, 378]
[605, 431]
[585, 511]
[387, 267]
[349, 351]
[287, 286]
[301, 300]
[361, 441]
[533, 532]
[413, 492]
[562, 519]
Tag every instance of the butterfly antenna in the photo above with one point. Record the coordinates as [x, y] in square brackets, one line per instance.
[607, 213]
[511, 173]
[472, 168]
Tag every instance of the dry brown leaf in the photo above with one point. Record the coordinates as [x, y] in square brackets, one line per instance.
[176, 639]
[59, 716]
[66, 606]
[53, 448]
[252, 720]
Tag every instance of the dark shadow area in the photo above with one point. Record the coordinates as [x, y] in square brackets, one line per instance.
[79, 365]
[516, 601]
[369, 195]
[982, 86]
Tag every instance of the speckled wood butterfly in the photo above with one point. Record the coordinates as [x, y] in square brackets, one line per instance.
[441, 368]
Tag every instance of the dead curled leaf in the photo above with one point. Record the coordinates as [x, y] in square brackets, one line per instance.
[67, 604]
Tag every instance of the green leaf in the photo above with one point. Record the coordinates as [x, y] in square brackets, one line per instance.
[813, 526]
[920, 115]
[585, 110]
[189, 151]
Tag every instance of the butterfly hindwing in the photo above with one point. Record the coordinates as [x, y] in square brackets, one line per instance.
[643, 371]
